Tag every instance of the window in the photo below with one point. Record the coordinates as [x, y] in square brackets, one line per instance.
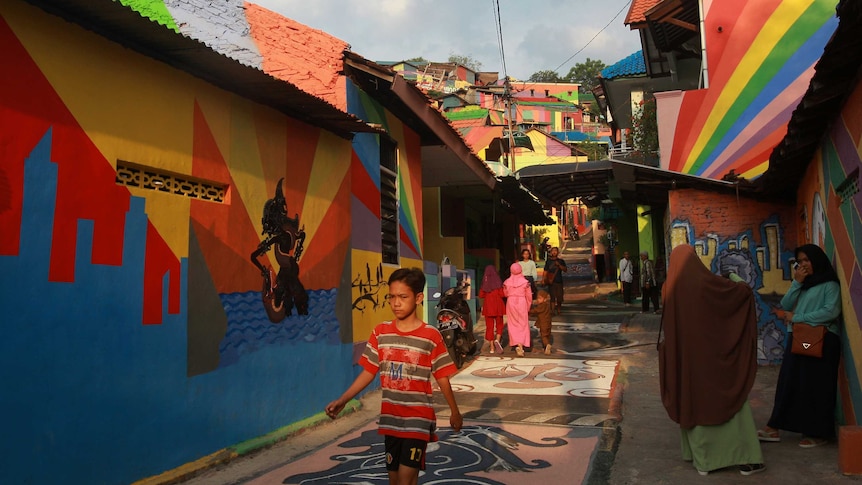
[389, 200]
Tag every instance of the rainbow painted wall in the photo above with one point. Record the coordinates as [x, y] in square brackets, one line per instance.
[760, 57]
[135, 339]
[833, 221]
[756, 239]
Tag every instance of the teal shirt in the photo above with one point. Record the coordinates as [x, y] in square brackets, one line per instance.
[818, 305]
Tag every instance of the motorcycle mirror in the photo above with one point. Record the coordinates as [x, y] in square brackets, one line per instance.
[436, 295]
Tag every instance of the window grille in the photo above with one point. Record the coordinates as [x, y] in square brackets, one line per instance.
[849, 187]
[150, 178]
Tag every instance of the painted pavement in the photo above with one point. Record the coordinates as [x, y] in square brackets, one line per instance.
[481, 453]
[550, 377]
[586, 327]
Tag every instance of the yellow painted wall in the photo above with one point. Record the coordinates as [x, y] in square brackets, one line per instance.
[436, 245]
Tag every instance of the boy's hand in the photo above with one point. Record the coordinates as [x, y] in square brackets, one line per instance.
[456, 421]
[333, 408]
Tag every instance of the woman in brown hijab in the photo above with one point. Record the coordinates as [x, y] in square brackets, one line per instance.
[707, 364]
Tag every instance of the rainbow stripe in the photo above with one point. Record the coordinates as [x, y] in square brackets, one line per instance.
[760, 65]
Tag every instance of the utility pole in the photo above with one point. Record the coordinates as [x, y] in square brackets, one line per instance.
[507, 98]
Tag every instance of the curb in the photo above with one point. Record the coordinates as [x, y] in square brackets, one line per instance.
[248, 447]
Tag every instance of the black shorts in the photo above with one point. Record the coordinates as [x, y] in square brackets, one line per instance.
[404, 451]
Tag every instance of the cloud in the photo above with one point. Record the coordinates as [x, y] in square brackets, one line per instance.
[392, 30]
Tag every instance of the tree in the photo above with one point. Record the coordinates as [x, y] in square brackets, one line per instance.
[546, 76]
[467, 61]
[417, 60]
[586, 74]
[645, 133]
[593, 150]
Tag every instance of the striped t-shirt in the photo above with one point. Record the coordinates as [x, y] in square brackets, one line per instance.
[406, 362]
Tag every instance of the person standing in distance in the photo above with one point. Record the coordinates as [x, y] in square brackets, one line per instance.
[648, 288]
[528, 267]
[406, 352]
[554, 269]
[626, 278]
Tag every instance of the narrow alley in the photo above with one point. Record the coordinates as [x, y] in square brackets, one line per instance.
[590, 413]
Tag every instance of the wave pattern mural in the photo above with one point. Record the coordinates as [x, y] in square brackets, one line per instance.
[249, 329]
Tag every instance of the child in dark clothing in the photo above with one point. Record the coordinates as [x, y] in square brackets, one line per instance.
[541, 308]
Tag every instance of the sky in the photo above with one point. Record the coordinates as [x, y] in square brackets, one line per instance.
[537, 35]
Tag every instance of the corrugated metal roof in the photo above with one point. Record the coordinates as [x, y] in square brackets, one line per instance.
[128, 28]
[601, 180]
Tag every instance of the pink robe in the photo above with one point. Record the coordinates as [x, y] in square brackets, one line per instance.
[519, 297]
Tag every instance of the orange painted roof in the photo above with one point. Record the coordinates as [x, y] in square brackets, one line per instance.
[638, 10]
[308, 58]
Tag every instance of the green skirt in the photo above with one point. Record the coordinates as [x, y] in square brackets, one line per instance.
[732, 443]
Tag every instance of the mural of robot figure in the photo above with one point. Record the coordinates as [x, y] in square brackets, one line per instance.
[283, 291]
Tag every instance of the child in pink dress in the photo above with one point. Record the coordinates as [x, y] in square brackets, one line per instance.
[493, 307]
[519, 297]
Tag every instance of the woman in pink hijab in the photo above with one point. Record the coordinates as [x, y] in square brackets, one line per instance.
[518, 300]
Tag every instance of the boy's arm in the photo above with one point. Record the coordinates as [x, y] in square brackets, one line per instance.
[362, 380]
[455, 419]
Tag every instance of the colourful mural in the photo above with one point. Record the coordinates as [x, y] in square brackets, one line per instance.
[129, 294]
[760, 57]
[831, 205]
[752, 239]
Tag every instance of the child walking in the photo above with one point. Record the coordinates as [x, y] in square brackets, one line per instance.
[542, 310]
[493, 308]
[518, 299]
[406, 352]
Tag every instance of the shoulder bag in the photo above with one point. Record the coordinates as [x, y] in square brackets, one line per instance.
[808, 339]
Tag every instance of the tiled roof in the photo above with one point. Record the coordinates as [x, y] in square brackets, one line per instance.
[638, 9]
[631, 66]
[464, 126]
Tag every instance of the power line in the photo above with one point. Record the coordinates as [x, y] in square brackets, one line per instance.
[594, 37]
[499, 25]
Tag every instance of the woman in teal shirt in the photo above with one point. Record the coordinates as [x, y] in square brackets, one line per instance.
[807, 386]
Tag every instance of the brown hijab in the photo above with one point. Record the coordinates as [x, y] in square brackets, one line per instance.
[707, 360]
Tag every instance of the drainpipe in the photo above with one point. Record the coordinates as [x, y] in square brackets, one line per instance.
[704, 71]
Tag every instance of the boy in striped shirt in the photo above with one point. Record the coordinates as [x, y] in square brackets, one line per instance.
[406, 352]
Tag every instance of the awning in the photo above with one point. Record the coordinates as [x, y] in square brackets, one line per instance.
[517, 199]
[559, 182]
[606, 180]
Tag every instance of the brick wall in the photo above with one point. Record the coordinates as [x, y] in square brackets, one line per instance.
[751, 238]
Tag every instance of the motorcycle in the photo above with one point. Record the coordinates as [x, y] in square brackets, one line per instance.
[456, 324]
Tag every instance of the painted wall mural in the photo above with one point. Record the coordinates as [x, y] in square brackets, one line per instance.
[830, 203]
[282, 291]
[753, 240]
[134, 305]
[760, 58]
